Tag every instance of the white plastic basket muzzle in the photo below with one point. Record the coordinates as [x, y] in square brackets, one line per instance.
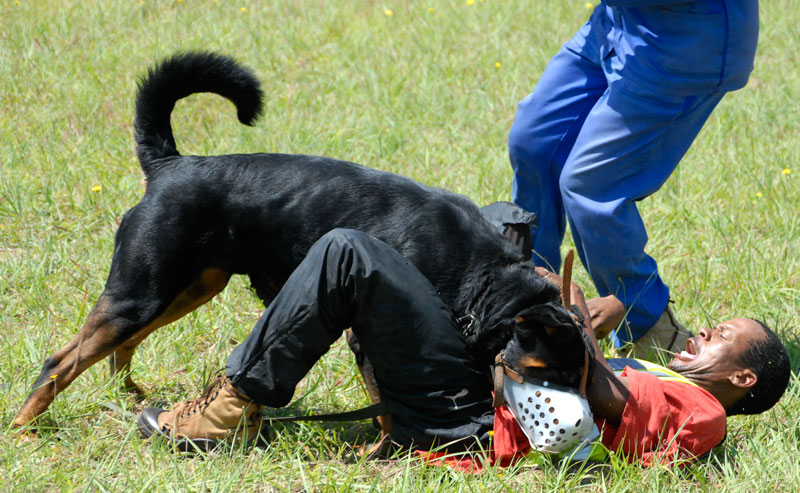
[554, 418]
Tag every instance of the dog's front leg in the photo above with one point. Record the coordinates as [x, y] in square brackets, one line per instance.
[365, 367]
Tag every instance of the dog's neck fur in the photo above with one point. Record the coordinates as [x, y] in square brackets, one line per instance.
[498, 302]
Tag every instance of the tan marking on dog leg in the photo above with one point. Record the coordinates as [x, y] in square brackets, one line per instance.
[93, 342]
[368, 374]
[120, 362]
[88, 346]
[210, 283]
[365, 368]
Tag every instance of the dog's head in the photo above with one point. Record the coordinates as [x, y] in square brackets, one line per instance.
[547, 344]
[521, 314]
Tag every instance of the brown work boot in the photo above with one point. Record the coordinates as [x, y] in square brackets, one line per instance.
[222, 414]
[666, 337]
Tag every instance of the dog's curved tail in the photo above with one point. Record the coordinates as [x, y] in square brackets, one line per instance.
[177, 77]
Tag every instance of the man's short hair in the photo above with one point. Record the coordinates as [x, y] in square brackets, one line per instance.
[769, 360]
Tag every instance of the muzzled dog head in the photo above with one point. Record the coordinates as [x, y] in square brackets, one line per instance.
[542, 375]
[520, 313]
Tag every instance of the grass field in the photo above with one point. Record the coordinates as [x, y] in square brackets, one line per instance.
[424, 89]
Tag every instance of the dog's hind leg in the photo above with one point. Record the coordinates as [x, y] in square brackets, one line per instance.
[120, 363]
[96, 339]
[200, 291]
[112, 326]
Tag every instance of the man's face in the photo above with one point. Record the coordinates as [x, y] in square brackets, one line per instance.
[717, 352]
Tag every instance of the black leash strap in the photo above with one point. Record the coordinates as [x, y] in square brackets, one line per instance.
[369, 412]
[373, 411]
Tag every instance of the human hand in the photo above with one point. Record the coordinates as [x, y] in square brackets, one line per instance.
[606, 313]
[551, 277]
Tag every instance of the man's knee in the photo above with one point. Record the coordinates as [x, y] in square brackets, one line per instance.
[517, 143]
[527, 156]
[339, 247]
[574, 189]
[343, 236]
[523, 144]
[339, 239]
[347, 251]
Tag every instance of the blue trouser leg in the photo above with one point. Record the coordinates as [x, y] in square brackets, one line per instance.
[585, 145]
[545, 128]
[630, 143]
[420, 359]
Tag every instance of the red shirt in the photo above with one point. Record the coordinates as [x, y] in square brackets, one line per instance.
[662, 421]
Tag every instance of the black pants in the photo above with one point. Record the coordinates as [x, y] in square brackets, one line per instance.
[434, 389]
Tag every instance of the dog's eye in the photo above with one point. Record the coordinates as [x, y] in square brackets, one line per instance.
[531, 363]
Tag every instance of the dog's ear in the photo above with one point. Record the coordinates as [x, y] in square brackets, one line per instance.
[550, 317]
[551, 331]
[556, 322]
[546, 344]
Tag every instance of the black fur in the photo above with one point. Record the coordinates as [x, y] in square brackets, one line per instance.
[203, 218]
[259, 214]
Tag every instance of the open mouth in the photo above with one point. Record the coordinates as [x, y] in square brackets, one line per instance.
[688, 354]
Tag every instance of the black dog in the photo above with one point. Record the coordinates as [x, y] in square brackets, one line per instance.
[204, 218]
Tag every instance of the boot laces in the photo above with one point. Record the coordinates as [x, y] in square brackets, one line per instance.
[209, 394]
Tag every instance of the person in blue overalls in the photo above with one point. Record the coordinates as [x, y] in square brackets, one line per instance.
[607, 123]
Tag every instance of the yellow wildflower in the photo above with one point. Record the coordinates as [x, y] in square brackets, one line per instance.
[53, 376]
[589, 5]
[470, 2]
[491, 433]
[97, 188]
[759, 194]
[431, 9]
[498, 64]
[786, 171]
[243, 9]
[389, 12]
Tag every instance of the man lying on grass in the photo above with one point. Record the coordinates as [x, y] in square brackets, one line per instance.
[435, 391]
